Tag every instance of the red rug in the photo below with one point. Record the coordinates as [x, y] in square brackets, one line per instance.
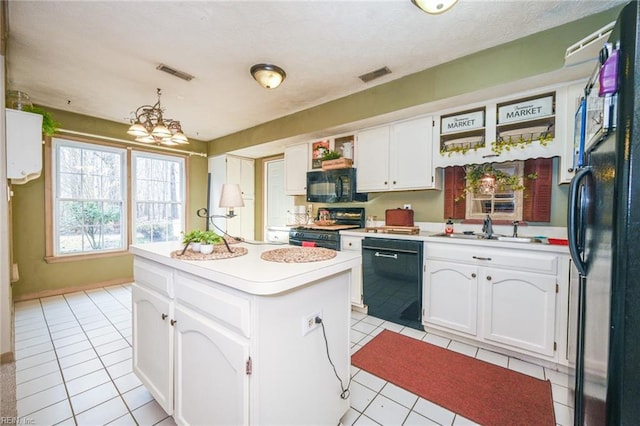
[477, 390]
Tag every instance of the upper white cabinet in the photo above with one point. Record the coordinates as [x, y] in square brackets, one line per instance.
[237, 170]
[396, 157]
[533, 124]
[566, 166]
[24, 145]
[296, 165]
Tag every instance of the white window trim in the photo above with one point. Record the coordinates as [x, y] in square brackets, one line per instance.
[56, 143]
[518, 199]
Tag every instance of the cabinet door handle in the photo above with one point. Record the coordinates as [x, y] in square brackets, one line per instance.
[385, 182]
[173, 322]
[394, 182]
[489, 155]
[481, 258]
[164, 317]
[488, 277]
[473, 275]
[350, 244]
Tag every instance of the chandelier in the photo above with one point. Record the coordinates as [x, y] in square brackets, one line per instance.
[150, 127]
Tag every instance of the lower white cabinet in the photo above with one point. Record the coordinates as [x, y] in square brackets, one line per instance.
[451, 296]
[513, 299]
[211, 381]
[153, 354]
[351, 243]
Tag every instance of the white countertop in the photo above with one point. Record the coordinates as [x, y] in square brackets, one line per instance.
[430, 237]
[249, 273]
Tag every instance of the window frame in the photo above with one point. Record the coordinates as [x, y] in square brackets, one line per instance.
[518, 197]
[133, 193]
[50, 256]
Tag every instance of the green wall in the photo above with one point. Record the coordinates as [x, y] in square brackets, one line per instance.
[28, 222]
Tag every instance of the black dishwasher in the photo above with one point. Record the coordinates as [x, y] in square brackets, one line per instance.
[392, 280]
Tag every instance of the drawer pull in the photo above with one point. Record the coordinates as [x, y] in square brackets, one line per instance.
[481, 258]
[473, 275]
[164, 317]
[488, 277]
[173, 322]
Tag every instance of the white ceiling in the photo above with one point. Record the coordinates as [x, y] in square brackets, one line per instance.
[99, 58]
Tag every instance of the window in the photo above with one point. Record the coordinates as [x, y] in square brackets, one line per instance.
[501, 202]
[93, 211]
[158, 188]
[89, 200]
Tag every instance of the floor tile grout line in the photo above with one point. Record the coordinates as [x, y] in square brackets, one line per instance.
[103, 364]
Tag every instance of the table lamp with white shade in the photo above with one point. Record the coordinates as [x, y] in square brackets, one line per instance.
[230, 198]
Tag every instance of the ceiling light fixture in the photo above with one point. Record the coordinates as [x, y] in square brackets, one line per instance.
[267, 75]
[434, 7]
[150, 127]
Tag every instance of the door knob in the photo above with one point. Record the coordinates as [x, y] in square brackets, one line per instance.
[473, 275]
[488, 277]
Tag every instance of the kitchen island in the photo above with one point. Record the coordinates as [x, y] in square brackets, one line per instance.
[235, 341]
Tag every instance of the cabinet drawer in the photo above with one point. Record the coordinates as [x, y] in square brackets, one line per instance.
[522, 260]
[202, 296]
[348, 243]
[154, 276]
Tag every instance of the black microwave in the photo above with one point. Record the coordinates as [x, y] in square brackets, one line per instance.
[333, 186]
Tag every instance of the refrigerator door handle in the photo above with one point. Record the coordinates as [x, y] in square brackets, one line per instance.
[574, 220]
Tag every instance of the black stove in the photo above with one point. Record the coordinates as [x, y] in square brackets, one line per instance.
[351, 217]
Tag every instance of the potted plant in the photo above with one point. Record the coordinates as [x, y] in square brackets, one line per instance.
[207, 241]
[194, 238]
[49, 125]
[334, 160]
[485, 177]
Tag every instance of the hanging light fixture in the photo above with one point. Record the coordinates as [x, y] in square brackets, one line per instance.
[149, 126]
[434, 7]
[267, 75]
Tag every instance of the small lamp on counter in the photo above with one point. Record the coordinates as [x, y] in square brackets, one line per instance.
[230, 198]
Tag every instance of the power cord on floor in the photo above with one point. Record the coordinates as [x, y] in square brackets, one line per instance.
[345, 391]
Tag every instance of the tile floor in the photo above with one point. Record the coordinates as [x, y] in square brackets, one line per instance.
[73, 367]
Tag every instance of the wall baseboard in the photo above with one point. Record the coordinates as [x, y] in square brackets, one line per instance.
[65, 290]
[6, 357]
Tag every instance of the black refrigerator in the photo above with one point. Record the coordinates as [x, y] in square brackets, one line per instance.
[604, 238]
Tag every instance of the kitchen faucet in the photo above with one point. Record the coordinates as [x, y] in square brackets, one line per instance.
[487, 227]
[515, 228]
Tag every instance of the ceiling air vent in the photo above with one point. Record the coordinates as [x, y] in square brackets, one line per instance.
[180, 74]
[374, 74]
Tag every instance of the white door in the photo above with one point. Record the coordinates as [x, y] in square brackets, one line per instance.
[153, 344]
[411, 165]
[451, 296]
[277, 204]
[372, 159]
[519, 309]
[212, 385]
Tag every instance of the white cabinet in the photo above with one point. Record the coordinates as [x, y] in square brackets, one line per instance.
[24, 145]
[396, 157]
[509, 298]
[236, 170]
[296, 165]
[153, 351]
[449, 150]
[212, 385]
[351, 243]
[519, 309]
[566, 169]
[451, 296]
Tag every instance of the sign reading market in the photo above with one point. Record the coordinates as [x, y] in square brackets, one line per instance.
[471, 120]
[526, 110]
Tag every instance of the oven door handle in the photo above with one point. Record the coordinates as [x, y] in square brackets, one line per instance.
[391, 256]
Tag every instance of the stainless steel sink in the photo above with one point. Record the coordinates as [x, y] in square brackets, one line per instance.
[494, 237]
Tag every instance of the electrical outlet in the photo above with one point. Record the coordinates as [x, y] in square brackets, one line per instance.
[309, 322]
[407, 206]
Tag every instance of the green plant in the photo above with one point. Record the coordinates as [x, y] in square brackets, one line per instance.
[194, 236]
[477, 173]
[210, 237]
[330, 155]
[49, 125]
[520, 142]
